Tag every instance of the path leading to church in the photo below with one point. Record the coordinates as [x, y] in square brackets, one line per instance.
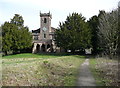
[85, 76]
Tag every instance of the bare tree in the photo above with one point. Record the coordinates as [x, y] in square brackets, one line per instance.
[108, 32]
[118, 51]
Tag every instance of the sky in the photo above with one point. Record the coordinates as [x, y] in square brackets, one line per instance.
[60, 9]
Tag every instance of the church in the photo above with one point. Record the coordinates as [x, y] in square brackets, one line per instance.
[43, 38]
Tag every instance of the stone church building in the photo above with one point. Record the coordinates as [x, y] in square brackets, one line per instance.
[43, 38]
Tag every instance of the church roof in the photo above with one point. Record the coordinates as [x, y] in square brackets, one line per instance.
[38, 30]
[53, 29]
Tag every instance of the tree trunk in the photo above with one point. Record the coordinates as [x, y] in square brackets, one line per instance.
[5, 53]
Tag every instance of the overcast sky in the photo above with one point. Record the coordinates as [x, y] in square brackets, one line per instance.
[60, 9]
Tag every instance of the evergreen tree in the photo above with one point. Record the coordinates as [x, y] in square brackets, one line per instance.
[74, 33]
[7, 36]
[93, 24]
[16, 37]
[17, 20]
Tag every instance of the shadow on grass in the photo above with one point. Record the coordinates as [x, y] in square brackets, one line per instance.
[37, 54]
[45, 55]
[55, 54]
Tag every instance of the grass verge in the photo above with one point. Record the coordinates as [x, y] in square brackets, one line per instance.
[105, 71]
[95, 72]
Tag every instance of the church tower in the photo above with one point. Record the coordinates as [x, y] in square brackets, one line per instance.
[43, 38]
[45, 26]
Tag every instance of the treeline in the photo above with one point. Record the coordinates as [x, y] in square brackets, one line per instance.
[16, 37]
[100, 32]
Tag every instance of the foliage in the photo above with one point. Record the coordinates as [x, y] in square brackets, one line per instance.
[16, 37]
[108, 32]
[74, 33]
[93, 24]
[118, 51]
[17, 20]
[7, 36]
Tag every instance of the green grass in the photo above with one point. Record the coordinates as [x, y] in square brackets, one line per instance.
[30, 55]
[95, 72]
[26, 57]
[41, 69]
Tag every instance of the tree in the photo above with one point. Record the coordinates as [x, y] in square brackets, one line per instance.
[7, 36]
[17, 20]
[93, 24]
[118, 51]
[108, 32]
[16, 37]
[74, 33]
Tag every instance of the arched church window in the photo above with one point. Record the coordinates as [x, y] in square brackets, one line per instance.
[44, 35]
[45, 20]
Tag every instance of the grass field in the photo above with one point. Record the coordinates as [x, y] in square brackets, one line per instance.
[40, 69]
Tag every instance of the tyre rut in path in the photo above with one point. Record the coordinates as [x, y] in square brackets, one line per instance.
[85, 76]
